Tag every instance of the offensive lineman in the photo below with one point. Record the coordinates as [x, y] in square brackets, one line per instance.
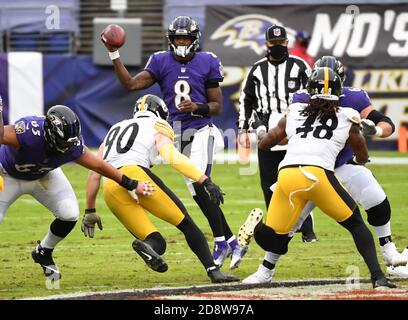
[31, 152]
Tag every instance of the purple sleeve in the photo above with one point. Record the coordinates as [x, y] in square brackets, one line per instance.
[152, 66]
[356, 98]
[216, 67]
[28, 130]
[300, 96]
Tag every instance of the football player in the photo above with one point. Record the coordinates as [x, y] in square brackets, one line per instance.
[132, 146]
[316, 131]
[31, 152]
[189, 81]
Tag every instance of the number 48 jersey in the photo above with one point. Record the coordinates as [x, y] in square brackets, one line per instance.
[132, 141]
[314, 141]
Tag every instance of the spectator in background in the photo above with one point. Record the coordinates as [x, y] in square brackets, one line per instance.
[300, 47]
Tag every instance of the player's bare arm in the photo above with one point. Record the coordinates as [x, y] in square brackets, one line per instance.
[273, 136]
[10, 137]
[93, 183]
[214, 103]
[140, 81]
[386, 126]
[358, 144]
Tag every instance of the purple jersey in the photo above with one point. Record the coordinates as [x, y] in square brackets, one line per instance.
[33, 159]
[353, 98]
[185, 81]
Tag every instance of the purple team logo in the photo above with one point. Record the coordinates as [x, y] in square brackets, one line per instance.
[249, 31]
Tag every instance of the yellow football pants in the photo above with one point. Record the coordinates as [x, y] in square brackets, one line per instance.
[298, 185]
[163, 203]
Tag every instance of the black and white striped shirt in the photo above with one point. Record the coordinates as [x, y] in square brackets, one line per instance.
[268, 89]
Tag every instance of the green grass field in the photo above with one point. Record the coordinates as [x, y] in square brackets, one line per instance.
[108, 262]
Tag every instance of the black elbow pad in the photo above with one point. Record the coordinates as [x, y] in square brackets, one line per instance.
[376, 116]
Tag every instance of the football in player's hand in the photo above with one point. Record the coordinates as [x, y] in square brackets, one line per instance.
[114, 35]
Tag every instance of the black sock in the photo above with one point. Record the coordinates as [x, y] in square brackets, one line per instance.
[307, 226]
[225, 227]
[157, 242]
[364, 242]
[196, 241]
[62, 228]
[210, 210]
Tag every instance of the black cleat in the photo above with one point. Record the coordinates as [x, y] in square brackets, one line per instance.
[383, 283]
[43, 257]
[309, 237]
[151, 257]
[217, 276]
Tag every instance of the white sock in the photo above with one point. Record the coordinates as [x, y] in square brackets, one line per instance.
[50, 241]
[219, 239]
[384, 230]
[272, 257]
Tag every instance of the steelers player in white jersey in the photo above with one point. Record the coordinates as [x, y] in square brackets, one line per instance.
[316, 131]
[132, 146]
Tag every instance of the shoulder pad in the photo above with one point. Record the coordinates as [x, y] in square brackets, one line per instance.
[163, 127]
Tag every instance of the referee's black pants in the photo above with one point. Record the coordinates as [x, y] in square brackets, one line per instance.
[268, 162]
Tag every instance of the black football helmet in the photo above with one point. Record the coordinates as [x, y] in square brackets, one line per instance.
[183, 26]
[332, 63]
[152, 103]
[324, 83]
[62, 128]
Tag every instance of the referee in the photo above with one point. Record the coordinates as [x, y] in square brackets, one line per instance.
[266, 94]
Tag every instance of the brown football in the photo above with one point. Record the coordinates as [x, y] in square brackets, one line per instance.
[114, 35]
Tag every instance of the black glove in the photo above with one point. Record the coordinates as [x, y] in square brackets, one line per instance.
[128, 183]
[214, 192]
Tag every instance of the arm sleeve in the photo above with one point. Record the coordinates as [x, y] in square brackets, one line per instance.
[247, 98]
[180, 162]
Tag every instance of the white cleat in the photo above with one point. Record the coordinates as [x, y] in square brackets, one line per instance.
[391, 255]
[237, 255]
[405, 253]
[246, 231]
[400, 271]
[262, 275]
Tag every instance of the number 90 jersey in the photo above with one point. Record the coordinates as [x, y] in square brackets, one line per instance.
[187, 81]
[316, 142]
[132, 141]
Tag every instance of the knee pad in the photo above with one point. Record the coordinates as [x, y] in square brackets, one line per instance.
[271, 241]
[157, 242]
[379, 214]
[62, 228]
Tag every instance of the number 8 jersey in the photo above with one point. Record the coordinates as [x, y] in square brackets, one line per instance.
[316, 142]
[187, 81]
[132, 141]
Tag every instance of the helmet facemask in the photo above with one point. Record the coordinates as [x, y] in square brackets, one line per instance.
[62, 132]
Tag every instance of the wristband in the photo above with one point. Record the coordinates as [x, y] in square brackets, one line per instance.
[259, 130]
[355, 160]
[128, 183]
[379, 131]
[92, 210]
[114, 55]
[203, 109]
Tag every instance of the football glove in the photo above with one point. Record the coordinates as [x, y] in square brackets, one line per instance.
[88, 222]
[369, 128]
[214, 192]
